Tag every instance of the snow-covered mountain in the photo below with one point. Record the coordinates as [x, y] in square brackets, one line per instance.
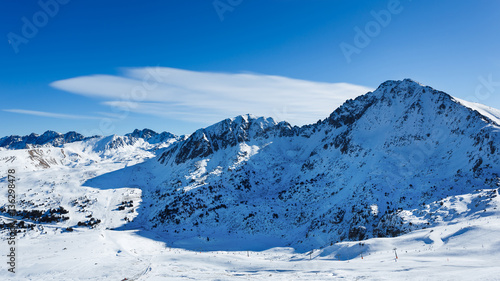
[35, 152]
[55, 139]
[376, 167]
[401, 158]
[34, 140]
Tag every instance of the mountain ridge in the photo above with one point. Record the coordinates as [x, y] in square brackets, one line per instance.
[56, 139]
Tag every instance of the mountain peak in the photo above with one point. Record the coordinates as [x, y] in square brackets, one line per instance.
[226, 133]
[405, 93]
[407, 89]
[144, 133]
[151, 136]
[407, 82]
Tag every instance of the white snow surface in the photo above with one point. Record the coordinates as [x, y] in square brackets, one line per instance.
[490, 112]
[467, 250]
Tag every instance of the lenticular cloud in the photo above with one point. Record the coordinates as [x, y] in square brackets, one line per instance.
[210, 97]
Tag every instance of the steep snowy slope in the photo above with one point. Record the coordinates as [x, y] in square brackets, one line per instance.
[363, 172]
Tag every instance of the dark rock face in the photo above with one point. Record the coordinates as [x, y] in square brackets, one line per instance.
[144, 134]
[227, 133]
[351, 111]
[151, 136]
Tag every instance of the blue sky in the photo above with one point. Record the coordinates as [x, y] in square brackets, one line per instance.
[89, 65]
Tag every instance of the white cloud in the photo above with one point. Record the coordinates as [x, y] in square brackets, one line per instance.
[49, 114]
[209, 97]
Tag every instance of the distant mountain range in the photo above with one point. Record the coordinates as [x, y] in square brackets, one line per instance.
[51, 138]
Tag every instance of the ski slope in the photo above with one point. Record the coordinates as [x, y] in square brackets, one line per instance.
[467, 250]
